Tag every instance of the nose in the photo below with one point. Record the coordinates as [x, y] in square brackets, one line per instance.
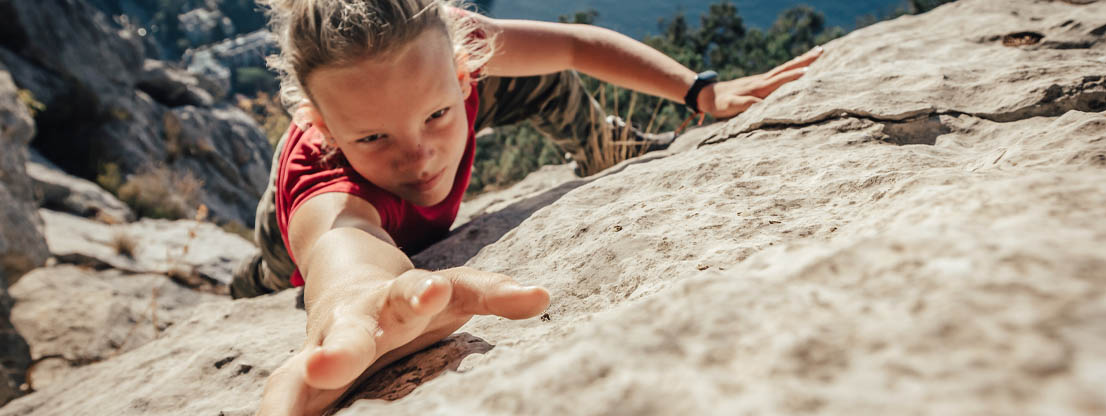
[415, 156]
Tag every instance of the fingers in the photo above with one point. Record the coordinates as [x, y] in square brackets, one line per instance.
[513, 301]
[417, 294]
[482, 293]
[736, 106]
[801, 61]
[358, 334]
[775, 82]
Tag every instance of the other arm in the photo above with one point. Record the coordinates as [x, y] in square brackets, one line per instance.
[531, 48]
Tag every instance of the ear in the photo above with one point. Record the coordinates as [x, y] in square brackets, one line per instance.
[465, 79]
[306, 116]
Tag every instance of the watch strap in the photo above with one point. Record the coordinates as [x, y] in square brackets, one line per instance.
[691, 99]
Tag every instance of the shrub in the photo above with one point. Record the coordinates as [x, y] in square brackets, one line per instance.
[160, 192]
[28, 99]
[268, 113]
[109, 177]
[123, 244]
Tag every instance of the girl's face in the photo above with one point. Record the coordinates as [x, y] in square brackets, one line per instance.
[400, 121]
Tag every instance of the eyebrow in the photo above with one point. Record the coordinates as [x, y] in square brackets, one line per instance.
[361, 134]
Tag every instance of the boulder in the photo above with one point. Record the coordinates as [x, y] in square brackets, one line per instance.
[219, 61]
[94, 315]
[922, 252]
[225, 373]
[203, 26]
[22, 246]
[184, 249]
[60, 191]
[175, 87]
[103, 104]
[15, 354]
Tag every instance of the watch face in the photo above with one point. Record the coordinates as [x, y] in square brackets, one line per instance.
[708, 76]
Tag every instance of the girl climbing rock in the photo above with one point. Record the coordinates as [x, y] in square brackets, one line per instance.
[387, 95]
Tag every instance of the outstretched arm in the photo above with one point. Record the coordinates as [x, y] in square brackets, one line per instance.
[531, 48]
[368, 306]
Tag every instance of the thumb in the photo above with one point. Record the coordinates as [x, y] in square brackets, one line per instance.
[347, 350]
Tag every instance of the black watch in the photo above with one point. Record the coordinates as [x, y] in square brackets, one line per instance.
[692, 97]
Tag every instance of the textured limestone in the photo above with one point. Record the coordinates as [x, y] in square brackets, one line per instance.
[917, 255]
[94, 315]
[182, 248]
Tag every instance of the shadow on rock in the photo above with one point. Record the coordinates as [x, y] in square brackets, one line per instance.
[466, 241]
[402, 377]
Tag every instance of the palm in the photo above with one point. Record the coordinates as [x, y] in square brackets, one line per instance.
[360, 334]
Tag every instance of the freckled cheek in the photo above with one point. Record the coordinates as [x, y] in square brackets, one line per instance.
[456, 139]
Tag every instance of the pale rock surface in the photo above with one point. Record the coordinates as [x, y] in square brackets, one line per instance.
[188, 370]
[63, 192]
[836, 265]
[94, 315]
[182, 248]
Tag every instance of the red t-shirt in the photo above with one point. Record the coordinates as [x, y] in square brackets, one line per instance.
[302, 174]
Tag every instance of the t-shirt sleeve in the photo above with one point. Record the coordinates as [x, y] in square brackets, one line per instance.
[305, 175]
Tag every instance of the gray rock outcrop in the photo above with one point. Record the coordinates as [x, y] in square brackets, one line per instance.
[22, 246]
[914, 227]
[220, 60]
[60, 191]
[104, 103]
[203, 26]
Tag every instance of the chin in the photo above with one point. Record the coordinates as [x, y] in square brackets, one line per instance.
[434, 196]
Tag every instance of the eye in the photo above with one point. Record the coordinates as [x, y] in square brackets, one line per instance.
[439, 114]
[370, 139]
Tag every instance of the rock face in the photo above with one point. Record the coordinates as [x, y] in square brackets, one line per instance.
[22, 246]
[915, 227]
[187, 250]
[103, 103]
[60, 191]
[95, 315]
[220, 60]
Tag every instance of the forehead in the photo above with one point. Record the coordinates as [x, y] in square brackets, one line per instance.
[371, 92]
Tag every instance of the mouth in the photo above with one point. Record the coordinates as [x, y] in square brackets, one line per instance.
[429, 183]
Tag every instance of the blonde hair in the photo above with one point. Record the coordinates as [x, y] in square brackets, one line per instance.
[317, 33]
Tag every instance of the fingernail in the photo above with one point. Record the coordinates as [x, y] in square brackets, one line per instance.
[415, 301]
[806, 68]
[818, 48]
[424, 286]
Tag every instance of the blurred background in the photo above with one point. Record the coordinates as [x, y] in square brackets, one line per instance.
[219, 48]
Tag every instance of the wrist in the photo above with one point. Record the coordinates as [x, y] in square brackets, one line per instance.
[706, 99]
[695, 93]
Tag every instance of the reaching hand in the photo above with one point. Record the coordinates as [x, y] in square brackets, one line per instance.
[727, 99]
[365, 328]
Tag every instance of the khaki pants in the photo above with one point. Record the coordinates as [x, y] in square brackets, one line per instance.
[556, 104]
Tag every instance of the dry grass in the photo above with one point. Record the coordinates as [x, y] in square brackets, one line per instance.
[269, 114]
[160, 192]
[124, 244]
[604, 149]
